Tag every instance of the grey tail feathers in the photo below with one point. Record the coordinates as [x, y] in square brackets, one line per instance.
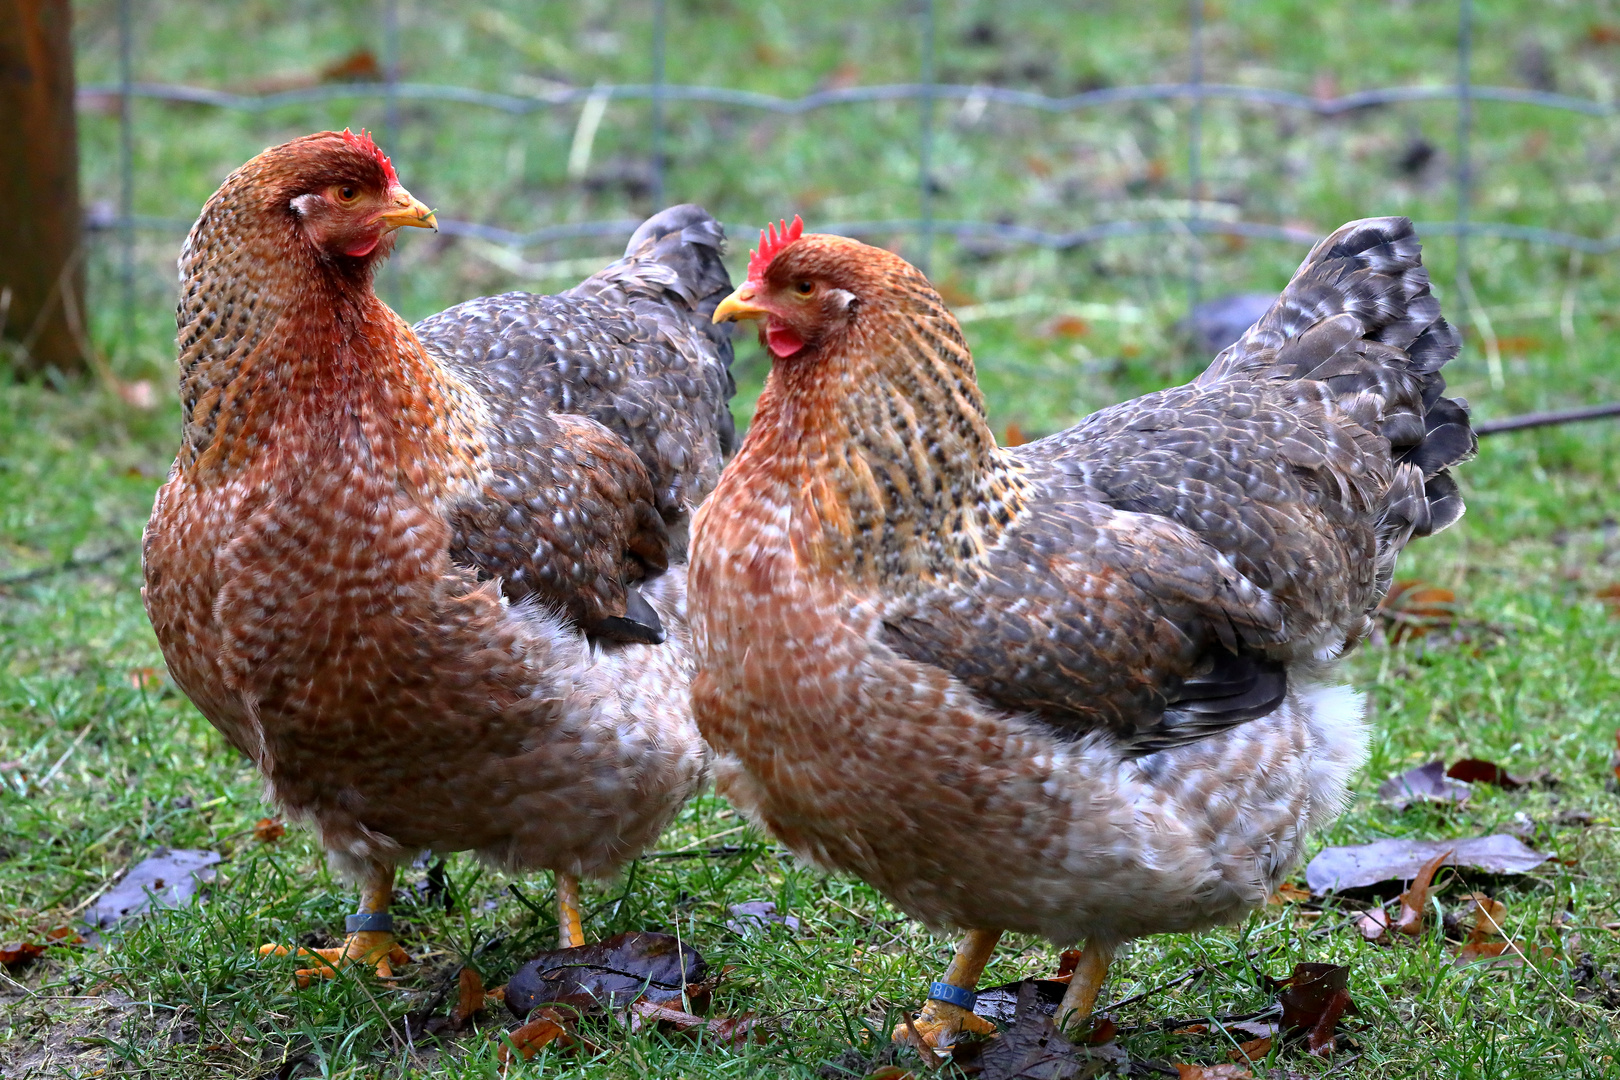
[1358, 317]
[676, 253]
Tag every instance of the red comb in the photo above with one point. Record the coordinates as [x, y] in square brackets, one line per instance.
[770, 245]
[363, 143]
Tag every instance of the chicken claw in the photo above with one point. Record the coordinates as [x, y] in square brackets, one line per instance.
[375, 948]
[371, 936]
[934, 1030]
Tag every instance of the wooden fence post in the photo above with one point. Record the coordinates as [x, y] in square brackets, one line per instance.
[41, 264]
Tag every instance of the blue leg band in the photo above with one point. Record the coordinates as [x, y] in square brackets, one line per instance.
[952, 995]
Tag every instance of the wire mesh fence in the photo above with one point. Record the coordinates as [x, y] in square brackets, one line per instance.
[1184, 217]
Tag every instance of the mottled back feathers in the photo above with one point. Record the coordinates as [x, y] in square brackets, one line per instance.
[1168, 560]
[608, 422]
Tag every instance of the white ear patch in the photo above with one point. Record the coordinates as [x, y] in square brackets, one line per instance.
[843, 296]
[305, 204]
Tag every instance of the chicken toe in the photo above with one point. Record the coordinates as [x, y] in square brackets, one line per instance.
[370, 939]
[934, 1030]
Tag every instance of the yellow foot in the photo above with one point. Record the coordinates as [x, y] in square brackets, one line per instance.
[934, 1030]
[377, 949]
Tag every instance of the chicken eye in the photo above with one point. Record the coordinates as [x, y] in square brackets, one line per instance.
[804, 288]
[347, 194]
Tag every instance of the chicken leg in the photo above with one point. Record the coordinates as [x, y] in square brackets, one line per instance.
[371, 934]
[935, 1028]
[1084, 985]
[570, 928]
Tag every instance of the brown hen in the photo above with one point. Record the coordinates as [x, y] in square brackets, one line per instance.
[1083, 688]
[433, 582]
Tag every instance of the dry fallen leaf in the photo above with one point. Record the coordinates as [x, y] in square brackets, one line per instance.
[1426, 783]
[1212, 1072]
[725, 1030]
[17, 952]
[1067, 326]
[1414, 608]
[545, 1027]
[1289, 893]
[1314, 997]
[1415, 900]
[610, 973]
[1372, 925]
[145, 678]
[1480, 771]
[469, 997]
[269, 830]
[1253, 1050]
[1359, 865]
[1487, 936]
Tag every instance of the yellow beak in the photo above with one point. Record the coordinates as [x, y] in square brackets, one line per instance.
[407, 210]
[739, 305]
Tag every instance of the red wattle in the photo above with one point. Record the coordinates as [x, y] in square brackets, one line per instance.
[781, 340]
[364, 247]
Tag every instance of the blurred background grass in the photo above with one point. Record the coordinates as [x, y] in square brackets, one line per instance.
[1550, 311]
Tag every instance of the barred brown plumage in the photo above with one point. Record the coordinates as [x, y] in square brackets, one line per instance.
[1080, 688]
[435, 585]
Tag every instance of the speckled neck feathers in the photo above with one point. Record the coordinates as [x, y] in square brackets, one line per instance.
[882, 441]
[281, 347]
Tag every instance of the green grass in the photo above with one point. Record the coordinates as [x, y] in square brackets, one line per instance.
[1531, 683]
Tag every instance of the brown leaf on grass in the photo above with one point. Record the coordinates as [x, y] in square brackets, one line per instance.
[1068, 961]
[1359, 865]
[1192, 1029]
[1480, 771]
[1426, 783]
[891, 1072]
[1067, 326]
[1253, 1050]
[1211, 1072]
[1415, 900]
[1031, 1048]
[18, 952]
[268, 830]
[545, 1026]
[1413, 608]
[725, 1030]
[469, 997]
[145, 678]
[63, 935]
[1289, 893]
[1610, 595]
[1372, 925]
[1487, 936]
[359, 66]
[608, 974]
[1313, 1000]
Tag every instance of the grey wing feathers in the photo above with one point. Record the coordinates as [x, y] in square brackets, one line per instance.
[1091, 617]
[608, 421]
[632, 347]
[1257, 515]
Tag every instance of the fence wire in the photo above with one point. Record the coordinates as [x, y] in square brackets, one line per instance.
[927, 92]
